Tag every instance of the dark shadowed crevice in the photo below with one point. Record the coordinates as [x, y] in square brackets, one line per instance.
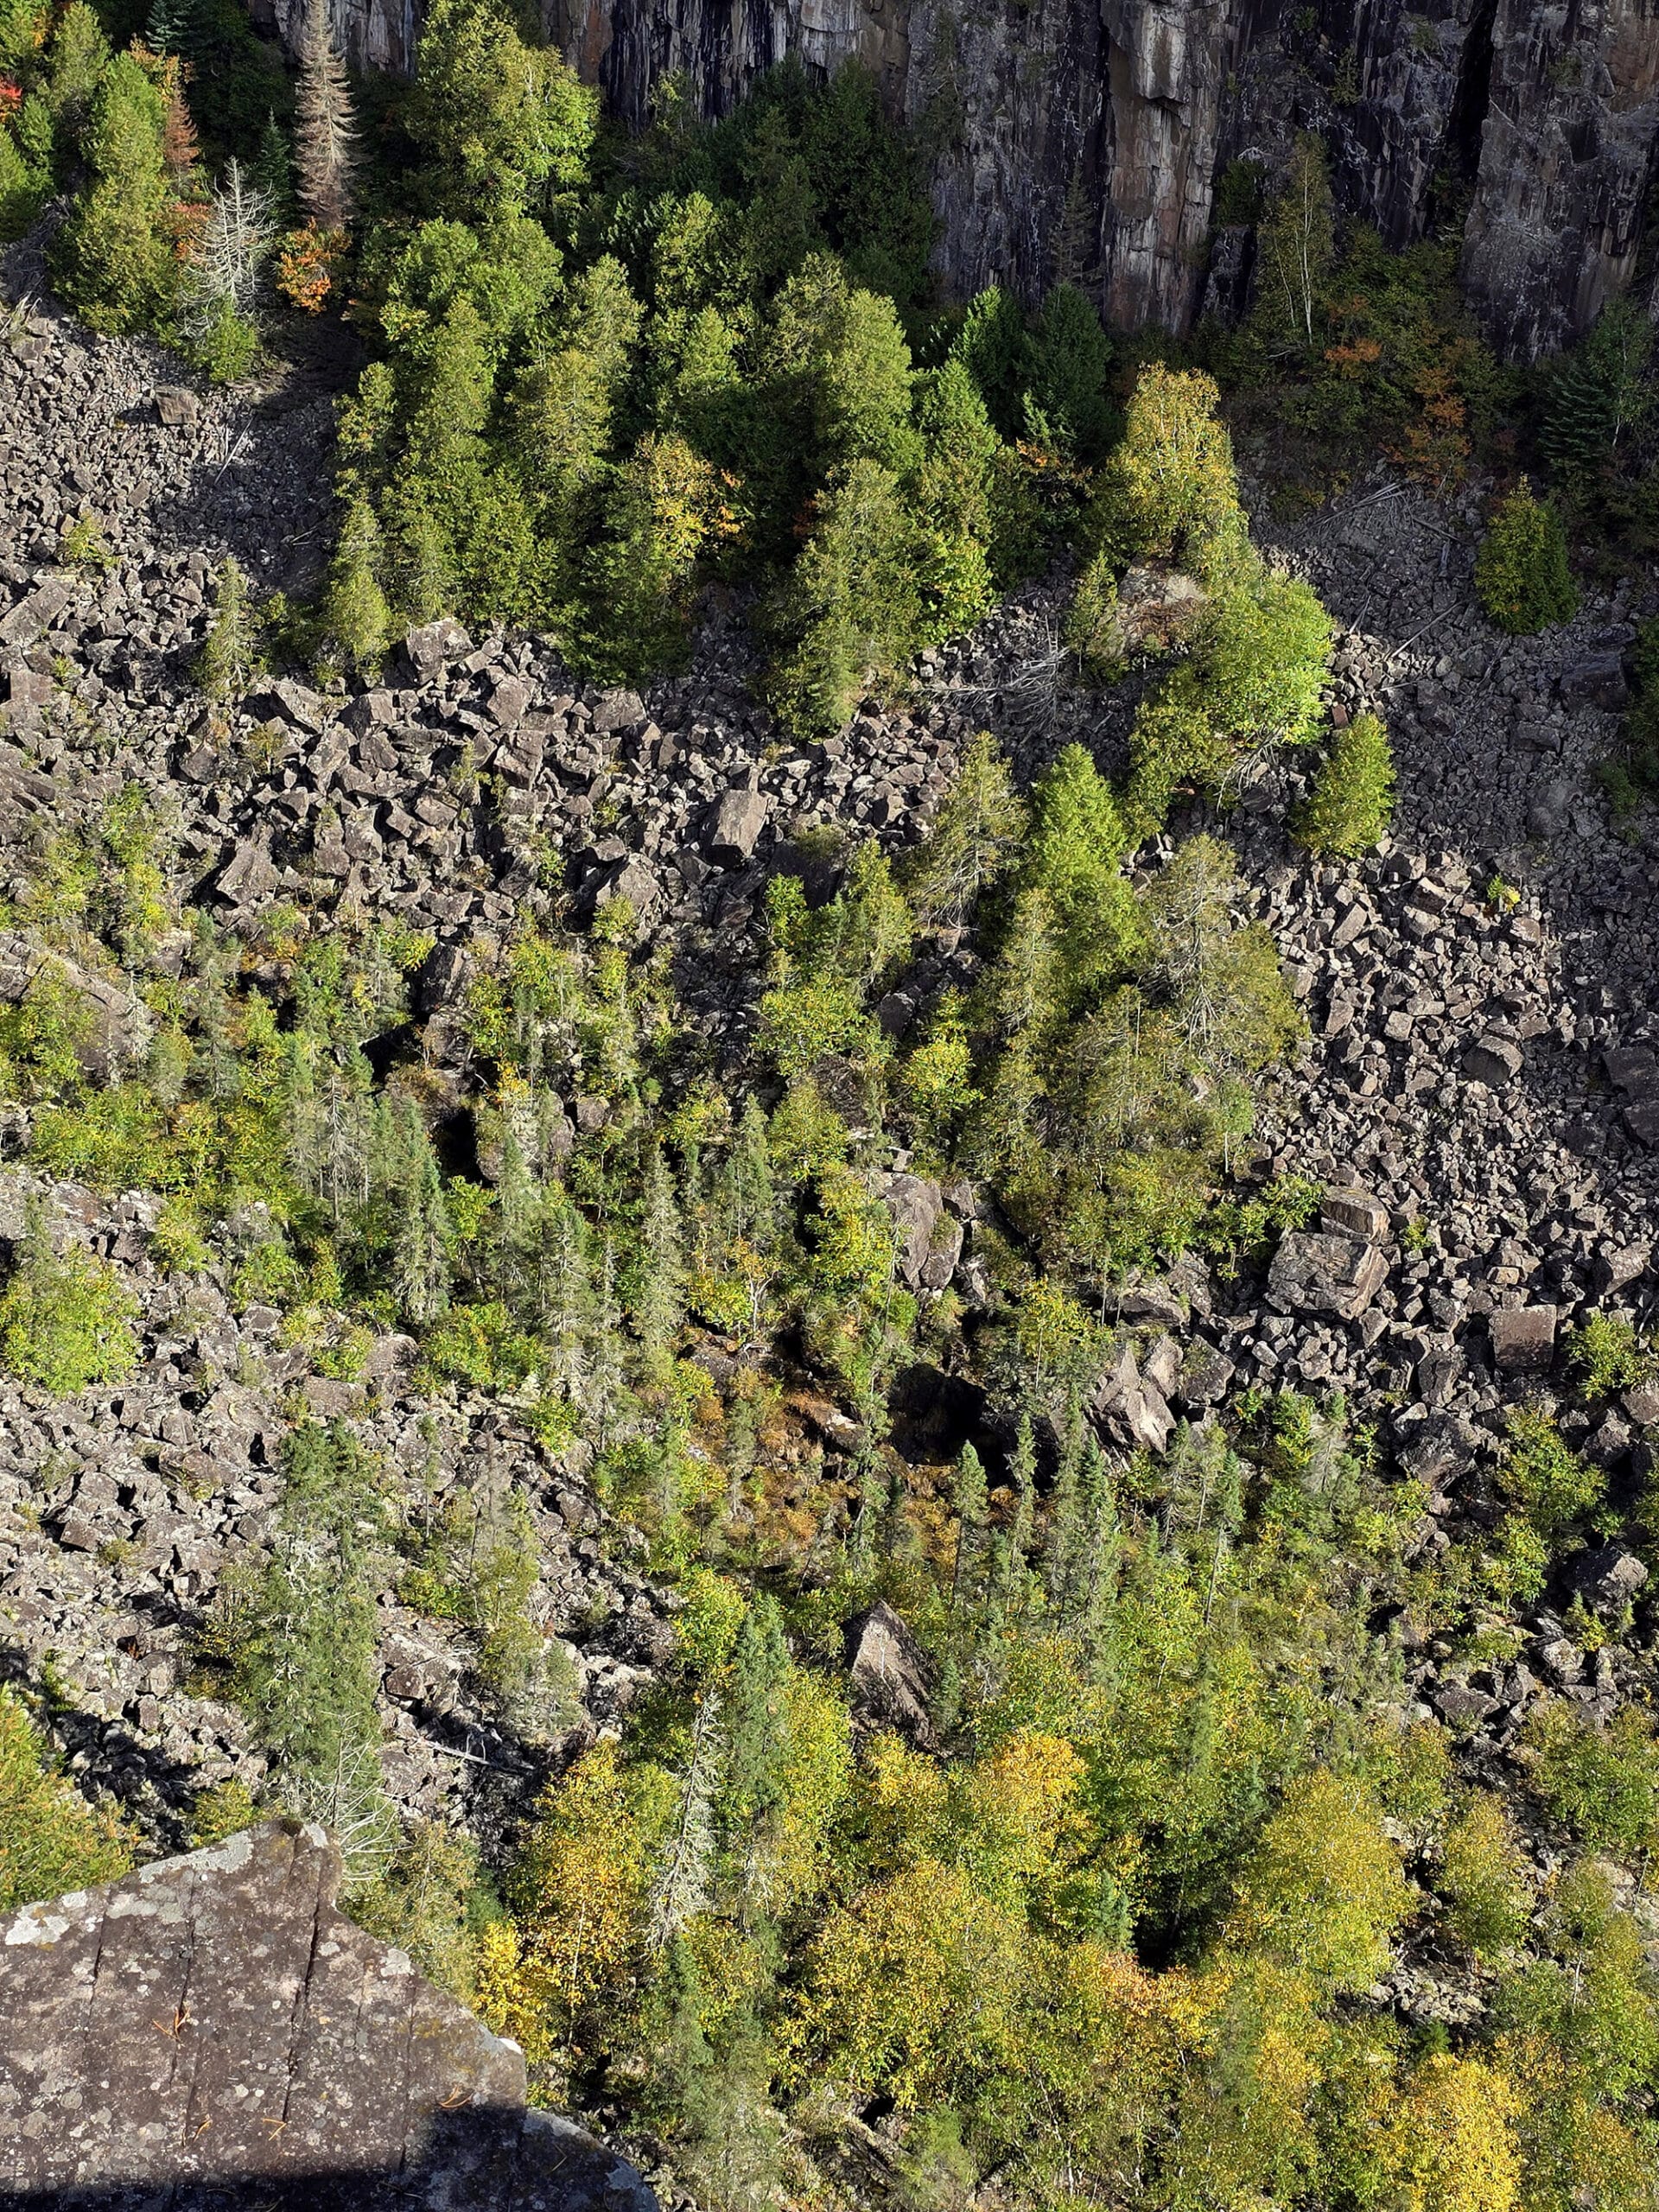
[1472, 99]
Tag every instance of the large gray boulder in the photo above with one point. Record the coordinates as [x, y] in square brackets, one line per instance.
[1316, 1271]
[214, 2023]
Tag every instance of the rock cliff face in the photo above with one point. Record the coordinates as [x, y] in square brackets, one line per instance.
[1545, 117]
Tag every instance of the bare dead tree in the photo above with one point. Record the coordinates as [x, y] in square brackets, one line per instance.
[325, 132]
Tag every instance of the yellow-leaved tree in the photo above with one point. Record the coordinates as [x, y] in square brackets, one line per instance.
[1449, 2145]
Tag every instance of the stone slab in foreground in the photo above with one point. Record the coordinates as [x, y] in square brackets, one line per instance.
[211, 2030]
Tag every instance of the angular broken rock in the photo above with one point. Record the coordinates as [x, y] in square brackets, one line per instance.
[1608, 1579]
[249, 873]
[36, 613]
[1128, 1406]
[1524, 1338]
[176, 405]
[1206, 1374]
[1144, 1418]
[1355, 1213]
[289, 701]
[1598, 680]
[630, 879]
[1494, 1061]
[618, 710]
[510, 701]
[434, 643]
[1457, 1704]
[917, 1205]
[1325, 1274]
[215, 2020]
[889, 1671]
[1618, 1265]
[1631, 1067]
[736, 823]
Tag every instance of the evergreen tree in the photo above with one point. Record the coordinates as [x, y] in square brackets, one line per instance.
[854, 602]
[516, 1226]
[754, 1726]
[273, 169]
[309, 1667]
[1022, 1470]
[974, 839]
[1074, 856]
[659, 1302]
[170, 26]
[355, 612]
[605, 1397]
[1521, 576]
[1347, 810]
[1063, 1542]
[325, 125]
[420, 1258]
[112, 258]
[1597, 396]
[952, 491]
[970, 1501]
[994, 347]
[230, 659]
[503, 125]
[564, 1293]
[1067, 403]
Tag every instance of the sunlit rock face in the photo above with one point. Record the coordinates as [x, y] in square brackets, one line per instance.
[1122, 114]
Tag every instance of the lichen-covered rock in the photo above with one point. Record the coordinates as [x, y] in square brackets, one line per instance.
[1323, 1274]
[214, 2018]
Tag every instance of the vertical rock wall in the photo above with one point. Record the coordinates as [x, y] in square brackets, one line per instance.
[1541, 118]
[1566, 161]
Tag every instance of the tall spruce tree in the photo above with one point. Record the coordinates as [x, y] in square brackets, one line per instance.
[969, 1502]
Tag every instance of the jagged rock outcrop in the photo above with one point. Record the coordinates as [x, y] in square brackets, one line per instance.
[212, 2022]
[1567, 149]
[1546, 116]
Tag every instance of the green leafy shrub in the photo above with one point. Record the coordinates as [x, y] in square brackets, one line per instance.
[51, 1839]
[1168, 491]
[66, 1322]
[1323, 1890]
[1347, 809]
[1608, 1356]
[1541, 1469]
[1601, 1783]
[431, 1899]
[1520, 571]
[1486, 1905]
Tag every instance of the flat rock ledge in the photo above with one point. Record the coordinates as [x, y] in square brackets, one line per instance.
[211, 2031]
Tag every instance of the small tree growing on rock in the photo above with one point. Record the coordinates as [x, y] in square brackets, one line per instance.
[1521, 572]
[1347, 810]
[230, 658]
